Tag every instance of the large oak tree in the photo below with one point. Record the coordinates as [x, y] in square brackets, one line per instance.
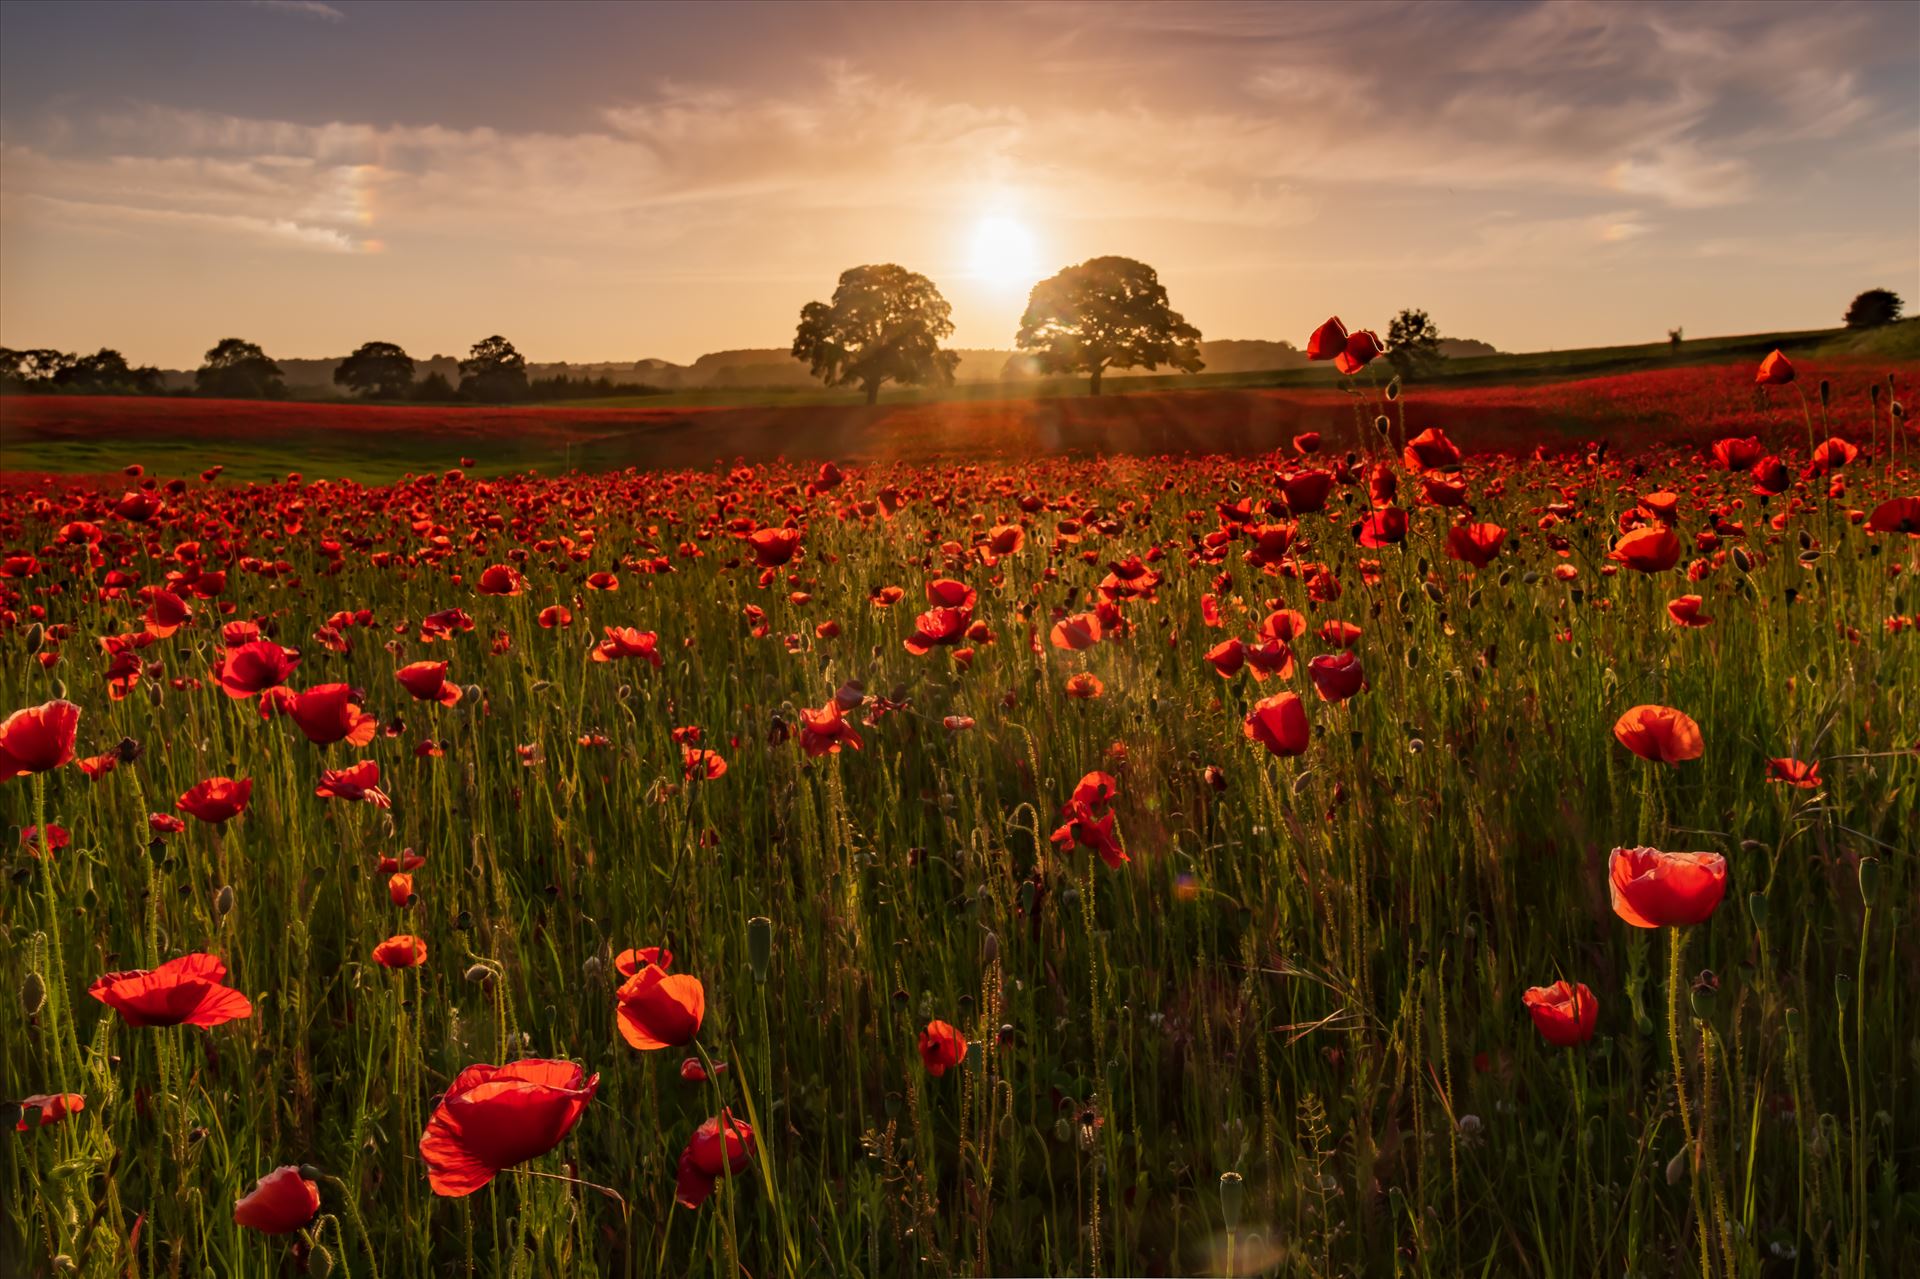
[885, 324]
[1106, 313]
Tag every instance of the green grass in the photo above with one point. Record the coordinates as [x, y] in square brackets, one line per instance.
[1308, 975]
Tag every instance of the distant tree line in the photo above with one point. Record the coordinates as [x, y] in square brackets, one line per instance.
[883, 324]
[105, 372]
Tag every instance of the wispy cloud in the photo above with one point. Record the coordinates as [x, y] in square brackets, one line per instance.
[302, 9]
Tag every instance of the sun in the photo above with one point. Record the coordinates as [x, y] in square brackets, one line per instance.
[1004, 253]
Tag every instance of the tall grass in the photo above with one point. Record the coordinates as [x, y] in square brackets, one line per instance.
[1286, 1037]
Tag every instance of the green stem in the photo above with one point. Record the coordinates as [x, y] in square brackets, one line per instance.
[1680, 1092]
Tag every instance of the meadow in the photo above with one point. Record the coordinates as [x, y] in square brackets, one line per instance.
[1461, 831]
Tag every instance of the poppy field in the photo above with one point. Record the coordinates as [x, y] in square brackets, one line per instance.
[1393, 853]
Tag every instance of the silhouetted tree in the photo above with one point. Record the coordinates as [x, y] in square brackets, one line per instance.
[380, 370]
[105, 372]
[885, 324]
[494, 372]
[1874, 308]
[1674, 338]
[238, 370]
[1106, 313]
[1413, 344]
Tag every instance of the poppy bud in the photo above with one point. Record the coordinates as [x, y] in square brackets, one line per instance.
[1793, 1022]
[1826, 393]
[33, 993]
[1705, 987]
[1842, 989]
[1741, 560]
[1232, 1193]
[1898, 410]
[312, 1172]
[223, 901]
[479, 974]
[759, 945]
[1757, 907]
[1677, 1167]
[592, 968]
[320, 1262]
[1869, 880]
[35, 634]
[990, 949]
[1382, 425]
[1393, 389]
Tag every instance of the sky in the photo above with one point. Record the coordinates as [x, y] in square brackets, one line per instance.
[613, 182]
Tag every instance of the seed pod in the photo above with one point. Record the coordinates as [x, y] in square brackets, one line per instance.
[759, 945]
[1232, 1195]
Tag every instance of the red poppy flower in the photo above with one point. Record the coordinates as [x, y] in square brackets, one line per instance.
[1227, 657]
[699, 762]
[1363, 348]
[280, 1203]
[1443, 490]
[427, 681]
[499, 579]
[630, 961]
[1085, 687]
[251, 669]
[401, 951]
[1565, 1015]
[937, 627]
[1775, 370]
[494, 1117]
[1896, 515]
[1086, 824]
[49, 1108]
[1770, 476]
[660, 1010]
[359, 783]
[1336, 676]
[825, 731]
[773, 547]
[181, 992]
[164, 824]
[1081, 631]
[1329, 341]
[556, 615]
[625, 641]
[1653, 549]
[400, 889]
[1685, 611]
[1431, 450]
[1385, 527]
[327, 713]
[57, 838]
[1475, 544]
[1306, 491]
[166, 613]
[1794, 773]
[1279, 723]
[217, 799]
[38, 739]
[1652, 889]
[1734, 454]
[1659, 733]
[942, 1047]
[709, 1156]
